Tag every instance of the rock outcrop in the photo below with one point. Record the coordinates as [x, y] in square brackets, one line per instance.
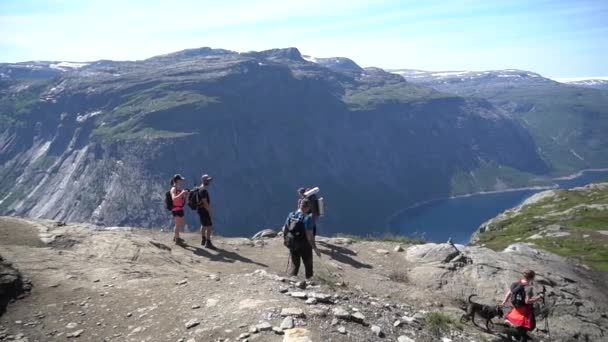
[578, 301]
[12, 285]
[120, 284]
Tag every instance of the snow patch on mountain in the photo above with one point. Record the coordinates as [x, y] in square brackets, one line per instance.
[84, 117]
[310, 58]
[64, 66]
[600, 82]
[580, 79]
[592, 82]
[450, 73]
[464, 74]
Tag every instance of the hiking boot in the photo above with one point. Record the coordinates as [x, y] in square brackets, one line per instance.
[203, 241]
[209, 245]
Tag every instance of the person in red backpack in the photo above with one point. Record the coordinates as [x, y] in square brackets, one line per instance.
[521, 294]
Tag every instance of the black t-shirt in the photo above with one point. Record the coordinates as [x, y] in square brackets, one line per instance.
[203, 194]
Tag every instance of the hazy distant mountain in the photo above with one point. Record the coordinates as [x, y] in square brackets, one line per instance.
[591, 83]
[98, 141]
[569, 123]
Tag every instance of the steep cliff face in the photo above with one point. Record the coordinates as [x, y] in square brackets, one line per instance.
[568, 122]
[99, 142]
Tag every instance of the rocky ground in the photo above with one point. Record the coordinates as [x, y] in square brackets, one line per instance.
[94, 284]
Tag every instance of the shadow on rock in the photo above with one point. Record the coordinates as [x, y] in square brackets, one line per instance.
[221, 255]
[342, 255]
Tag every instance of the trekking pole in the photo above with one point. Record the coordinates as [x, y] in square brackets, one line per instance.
[546, 314]
[288, 261]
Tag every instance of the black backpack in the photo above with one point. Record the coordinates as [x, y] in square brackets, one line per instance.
[168, 200]
[518, 294]
[294, 232]
[314, 204]
[194, 199]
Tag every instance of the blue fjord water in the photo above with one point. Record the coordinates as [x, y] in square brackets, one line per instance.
[459, 217]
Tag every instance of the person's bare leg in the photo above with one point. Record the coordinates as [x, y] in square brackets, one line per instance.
[208, 231]
[203, 237]
[176, 228]
[182, 224]
[208, 243]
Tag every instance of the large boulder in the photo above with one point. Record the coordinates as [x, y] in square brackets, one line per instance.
[577, 295]
[432, 252]
[11, 284]
[266, 233]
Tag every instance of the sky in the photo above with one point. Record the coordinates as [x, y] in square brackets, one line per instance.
[556, 38]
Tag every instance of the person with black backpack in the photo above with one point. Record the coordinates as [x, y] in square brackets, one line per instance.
[521, 294]
[204, 211]
[299, 239]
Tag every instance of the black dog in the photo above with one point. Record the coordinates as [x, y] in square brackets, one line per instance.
[485, 311]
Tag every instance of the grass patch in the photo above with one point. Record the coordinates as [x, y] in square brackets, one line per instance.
[388, 237]
[490, 176]
[110, 134]
[322, 276]
[399, 276]
[593, 252]
[403, 92]
[438, 324]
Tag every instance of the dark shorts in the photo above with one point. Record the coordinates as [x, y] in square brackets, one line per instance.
[178, 213]
[205, 218]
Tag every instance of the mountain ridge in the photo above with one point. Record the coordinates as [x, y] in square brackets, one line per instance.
[564, 119]
[122, 128]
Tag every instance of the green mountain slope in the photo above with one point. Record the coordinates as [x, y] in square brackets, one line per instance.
[571, 223]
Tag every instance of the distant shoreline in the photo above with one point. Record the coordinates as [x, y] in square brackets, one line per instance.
[580, 173]
[528, 188]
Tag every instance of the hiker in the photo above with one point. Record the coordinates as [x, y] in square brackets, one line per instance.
[178, 196]
[315, 204]
[204, 212]
[522, 299]
[299, 239]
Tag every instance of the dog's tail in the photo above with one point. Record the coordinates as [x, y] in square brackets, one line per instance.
[471, 296]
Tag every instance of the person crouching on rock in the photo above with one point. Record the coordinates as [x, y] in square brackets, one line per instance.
[522, 299]
[299, 239]
[178, 195]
